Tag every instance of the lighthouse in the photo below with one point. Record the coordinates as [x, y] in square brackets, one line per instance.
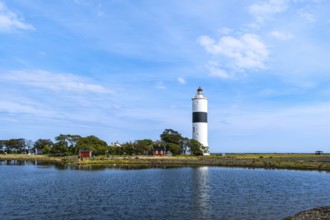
[199, 119]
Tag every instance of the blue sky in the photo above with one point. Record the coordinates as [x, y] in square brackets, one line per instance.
[127, 70]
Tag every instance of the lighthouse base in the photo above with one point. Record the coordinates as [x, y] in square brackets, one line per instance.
[206, 151]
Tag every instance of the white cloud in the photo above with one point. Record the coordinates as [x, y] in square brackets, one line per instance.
[242, 53]
[182, 80]
[216, 71]
[160, 85]
[281, 35]
[307, 15]
[53, 81]
[15, 107]
[9, 21]
[225, 31]
[264, 10]
[97, 7]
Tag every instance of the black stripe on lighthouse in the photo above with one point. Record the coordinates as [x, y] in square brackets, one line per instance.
[199, 117]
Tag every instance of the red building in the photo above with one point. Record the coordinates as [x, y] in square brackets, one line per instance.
[85, 153]
[158, 150]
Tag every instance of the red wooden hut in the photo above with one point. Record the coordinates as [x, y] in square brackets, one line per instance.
[158, 150]
[85, 153]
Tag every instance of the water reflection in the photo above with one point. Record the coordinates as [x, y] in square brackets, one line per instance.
[28, 162]
[56, 192]
[201, 179]
[16, 162]
[61, 166]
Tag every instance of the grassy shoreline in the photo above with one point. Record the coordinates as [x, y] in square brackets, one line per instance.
[268, 161]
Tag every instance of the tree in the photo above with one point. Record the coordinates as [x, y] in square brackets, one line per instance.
[196, 148]
[171, 136]
[174, 141]
[28, 145]
[66, 144]
[116, 150]
[128, 148]
[185, 143]
[15, 145]
[60, 148]
[143, 146]
[2, 146]
[44, 144]
[138, 147]
[97, 146]
[174, 148]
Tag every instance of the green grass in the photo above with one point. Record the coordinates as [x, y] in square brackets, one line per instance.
[29, 157]
[268, 161]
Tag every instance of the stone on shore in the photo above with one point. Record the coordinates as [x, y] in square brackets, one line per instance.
[320, 213]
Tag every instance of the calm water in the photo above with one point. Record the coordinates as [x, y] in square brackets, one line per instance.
[30, 191]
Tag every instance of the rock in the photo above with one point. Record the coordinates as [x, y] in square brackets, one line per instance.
[320, 213]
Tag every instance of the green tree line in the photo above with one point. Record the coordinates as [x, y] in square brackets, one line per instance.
[67, 144]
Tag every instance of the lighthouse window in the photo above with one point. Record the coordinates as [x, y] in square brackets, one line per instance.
[193, 129]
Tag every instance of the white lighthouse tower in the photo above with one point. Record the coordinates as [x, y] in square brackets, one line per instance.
[199, 119]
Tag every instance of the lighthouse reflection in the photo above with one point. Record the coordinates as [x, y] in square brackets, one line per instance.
[202, 188]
